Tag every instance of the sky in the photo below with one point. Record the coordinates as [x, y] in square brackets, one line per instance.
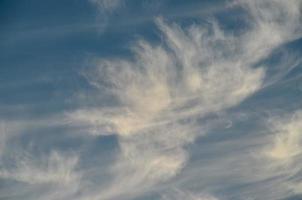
[151, 100]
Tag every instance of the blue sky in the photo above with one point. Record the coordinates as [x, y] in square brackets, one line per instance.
[150, 99]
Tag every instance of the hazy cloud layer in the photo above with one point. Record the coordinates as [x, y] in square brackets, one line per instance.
[177, 194]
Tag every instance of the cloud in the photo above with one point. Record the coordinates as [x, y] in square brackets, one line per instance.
[161, 101]
[165, 91]
[35, 174]
[3, 138]
[161, 95]
[107, 5]
[50, 177]
[55, 169]
[177, 194]
[284, 150]
[287, 139]
[105, 10]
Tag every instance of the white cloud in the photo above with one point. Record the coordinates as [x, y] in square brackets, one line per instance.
[163, 93]
[284, 150]
[48, 176]
[157, 92]
[54, 169]
[165, 89]
[287, 140]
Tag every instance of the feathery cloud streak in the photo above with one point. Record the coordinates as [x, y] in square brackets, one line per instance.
[165, 90]
[161, 100]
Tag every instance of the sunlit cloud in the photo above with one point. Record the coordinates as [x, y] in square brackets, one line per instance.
[159, 103]
[165, 90]
[287, 139]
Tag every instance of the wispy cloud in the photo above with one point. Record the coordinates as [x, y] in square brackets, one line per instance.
[46, 175]
[284, 150]
[287, 139]
[165, 90]
[55, 172]
[107, 5]
[105, 10]
[162, 99]
[54, 168]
